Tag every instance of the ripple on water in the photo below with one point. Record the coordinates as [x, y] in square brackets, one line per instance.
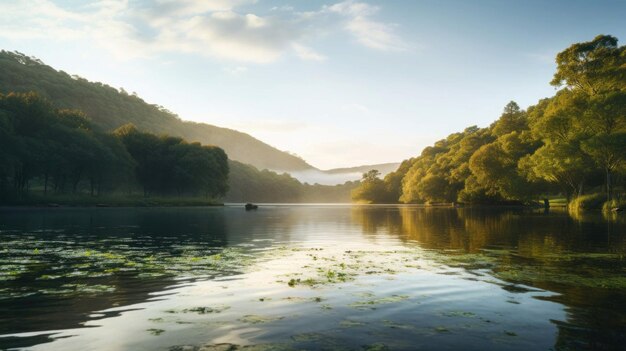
[317, 279]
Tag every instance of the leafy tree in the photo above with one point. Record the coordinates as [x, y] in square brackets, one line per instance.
[372, 188]
[513, 119]
[110, 108]
[593, 67]
[561, 164]
[597, 71]
[609, 152]
[61, 150]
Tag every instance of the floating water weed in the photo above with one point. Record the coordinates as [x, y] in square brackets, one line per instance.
[155, 332]
[206, 310]
[256, 319]
[350, 323]
[371, 304]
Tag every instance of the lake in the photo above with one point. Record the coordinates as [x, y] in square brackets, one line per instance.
[311, 277]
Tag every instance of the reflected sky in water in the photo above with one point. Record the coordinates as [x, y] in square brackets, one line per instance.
[310, 277]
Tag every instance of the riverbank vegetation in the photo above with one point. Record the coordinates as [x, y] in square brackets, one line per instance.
[58, 156]
[571, 145]
[49, 151]
[90, 143]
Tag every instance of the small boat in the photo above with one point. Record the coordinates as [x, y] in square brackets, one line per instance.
[250, 206]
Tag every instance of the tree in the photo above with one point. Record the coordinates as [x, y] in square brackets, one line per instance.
[513, 119]
[609, 152]
[495, 166]
[593, 67]
[167, 165]
[372, 188]
[562, 164]
[597, 70]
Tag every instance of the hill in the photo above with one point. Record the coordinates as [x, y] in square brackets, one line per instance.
[109, 108]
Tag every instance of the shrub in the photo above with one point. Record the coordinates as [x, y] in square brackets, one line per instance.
[588, 202]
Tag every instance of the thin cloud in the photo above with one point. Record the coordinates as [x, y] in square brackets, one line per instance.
[227, 35]
[193, 7]
[213, 28]
[368, 32]
[307, 53]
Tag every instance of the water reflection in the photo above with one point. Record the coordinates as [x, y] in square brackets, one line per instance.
[560, 248]
[59, 266]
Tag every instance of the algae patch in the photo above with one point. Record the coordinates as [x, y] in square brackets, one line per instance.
[155, 332]
[256, 319]
[372, 303]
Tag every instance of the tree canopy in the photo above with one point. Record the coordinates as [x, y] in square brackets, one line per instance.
[62, 151]
[564, 145]
[110, 108]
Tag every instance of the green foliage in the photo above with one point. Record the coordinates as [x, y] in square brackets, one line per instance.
[513, 119]
[592, 66]
[60, 151]
[110, 108]
[158, 165]
[560, 164]
[562, 146]
[248, 184]
[441, 172]
[169, 165]
[495, 165]
[587, 202]
[371, 190]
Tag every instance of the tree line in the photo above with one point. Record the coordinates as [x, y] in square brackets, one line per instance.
[247, 183]
[109, 108]
[58, 151]
[45, 150]
[572, 144]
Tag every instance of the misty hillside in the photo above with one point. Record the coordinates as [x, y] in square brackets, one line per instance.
[110, 108]
[341, 175]
[383, 168]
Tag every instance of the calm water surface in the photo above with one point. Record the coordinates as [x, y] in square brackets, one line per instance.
[315, 277]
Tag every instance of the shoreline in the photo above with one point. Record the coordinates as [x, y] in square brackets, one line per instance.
[109, 202]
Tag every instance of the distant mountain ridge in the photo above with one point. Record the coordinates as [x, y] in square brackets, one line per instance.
[110, 108]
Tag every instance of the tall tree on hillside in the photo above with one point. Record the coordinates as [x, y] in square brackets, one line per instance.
[495, 165]
[593, 67]
[512, 119]
[597, 70]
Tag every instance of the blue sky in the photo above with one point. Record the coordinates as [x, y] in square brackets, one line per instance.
[340, 83]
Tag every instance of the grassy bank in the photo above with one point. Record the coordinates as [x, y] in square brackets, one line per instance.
[596, 202]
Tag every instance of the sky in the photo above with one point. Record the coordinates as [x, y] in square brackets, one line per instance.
[339, 83]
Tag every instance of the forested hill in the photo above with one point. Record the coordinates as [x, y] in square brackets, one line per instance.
[571, 145]
[109, 108]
